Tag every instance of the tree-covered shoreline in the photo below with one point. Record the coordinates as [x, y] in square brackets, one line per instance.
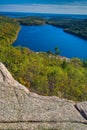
[44, 73]
[77, 27]
[31, 20]
[9, 30]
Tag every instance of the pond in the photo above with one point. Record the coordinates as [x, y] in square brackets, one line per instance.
[46, 38]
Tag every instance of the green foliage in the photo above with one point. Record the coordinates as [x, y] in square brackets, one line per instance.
[57, 51]
[84, 62]
[8, 30]
[45, 73]
[64, 64]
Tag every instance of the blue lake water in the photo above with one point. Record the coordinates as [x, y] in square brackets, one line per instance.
[47, 37]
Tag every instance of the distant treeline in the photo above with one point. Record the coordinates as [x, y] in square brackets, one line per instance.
[31, 20]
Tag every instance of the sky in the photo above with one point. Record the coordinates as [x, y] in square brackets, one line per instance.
[45, 6]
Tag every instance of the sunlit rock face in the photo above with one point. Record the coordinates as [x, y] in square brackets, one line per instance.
[22, 109]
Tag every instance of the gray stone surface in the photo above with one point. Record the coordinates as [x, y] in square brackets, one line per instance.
[22, 109]
[82, 108]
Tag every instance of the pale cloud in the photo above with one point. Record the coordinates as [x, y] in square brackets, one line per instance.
[46, 8]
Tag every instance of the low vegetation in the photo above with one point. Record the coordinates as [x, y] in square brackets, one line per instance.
[46, 73]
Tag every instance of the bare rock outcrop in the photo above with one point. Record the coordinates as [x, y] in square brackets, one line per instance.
[22, 109]
[82, 108]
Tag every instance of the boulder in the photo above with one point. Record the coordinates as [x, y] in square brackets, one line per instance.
[22, 109]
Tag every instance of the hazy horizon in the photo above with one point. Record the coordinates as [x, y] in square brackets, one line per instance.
[45, 6]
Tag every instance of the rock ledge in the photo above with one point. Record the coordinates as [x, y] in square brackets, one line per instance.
[22, 109]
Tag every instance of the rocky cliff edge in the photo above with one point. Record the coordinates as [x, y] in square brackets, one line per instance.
[22, 109]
